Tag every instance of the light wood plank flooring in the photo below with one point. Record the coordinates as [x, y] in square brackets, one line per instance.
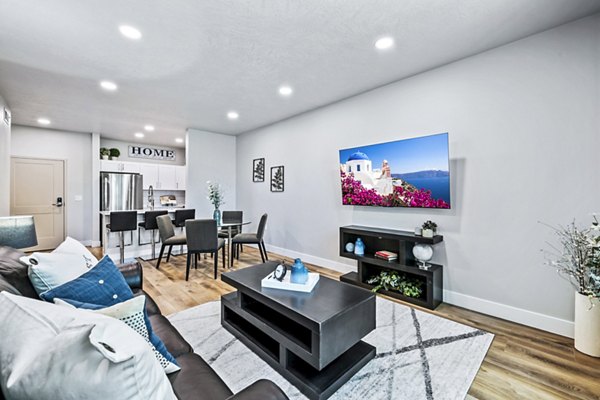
[522, 363]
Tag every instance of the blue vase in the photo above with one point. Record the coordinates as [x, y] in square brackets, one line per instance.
[217, 216]
[359, 247]
[299, 272]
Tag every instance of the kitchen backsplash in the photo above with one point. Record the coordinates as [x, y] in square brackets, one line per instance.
[179, 196]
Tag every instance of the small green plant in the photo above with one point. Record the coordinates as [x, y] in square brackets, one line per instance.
[215, 194]
[104, 151]
[397, 281]
[430, 225]
[114, 153]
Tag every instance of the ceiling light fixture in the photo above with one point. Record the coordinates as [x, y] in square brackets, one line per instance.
[179, 140]
[139, 134]
[130, 32]
[149, 128]
[384, 43]
[285, 90]
[43, 121]
[108, 85]
[233, 115]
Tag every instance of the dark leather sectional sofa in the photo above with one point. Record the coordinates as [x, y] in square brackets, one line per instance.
[195, 380]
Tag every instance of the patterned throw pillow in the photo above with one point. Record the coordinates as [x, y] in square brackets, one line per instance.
[103, 285]
[50, 352]
[163, 355]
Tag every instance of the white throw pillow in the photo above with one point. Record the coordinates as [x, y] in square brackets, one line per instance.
[72, 246]
[49, 270]
[131, 312]
[52, 352]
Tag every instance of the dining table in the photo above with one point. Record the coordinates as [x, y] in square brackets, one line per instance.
[229, 226]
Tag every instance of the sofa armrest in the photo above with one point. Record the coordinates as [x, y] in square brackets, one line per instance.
[260, 390]
[133, 274]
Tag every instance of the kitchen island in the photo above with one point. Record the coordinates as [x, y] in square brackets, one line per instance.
[137, 243]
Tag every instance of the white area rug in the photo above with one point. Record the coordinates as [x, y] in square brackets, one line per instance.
[419, 355]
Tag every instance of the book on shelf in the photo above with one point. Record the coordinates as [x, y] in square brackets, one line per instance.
[386, 255]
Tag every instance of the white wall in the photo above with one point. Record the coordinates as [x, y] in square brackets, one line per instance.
[124, 149]
[4, 161]
[75, 148]
[524, 137]
[210, 157]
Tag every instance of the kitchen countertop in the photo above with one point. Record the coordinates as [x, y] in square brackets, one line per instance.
[169, 209]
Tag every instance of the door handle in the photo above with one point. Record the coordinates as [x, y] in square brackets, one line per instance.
[59, 202]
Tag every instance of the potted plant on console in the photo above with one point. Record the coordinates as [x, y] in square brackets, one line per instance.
[577, 259]
[429, 229]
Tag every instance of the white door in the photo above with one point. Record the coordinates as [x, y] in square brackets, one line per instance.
[37, 188]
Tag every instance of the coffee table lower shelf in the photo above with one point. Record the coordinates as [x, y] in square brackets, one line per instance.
[315, 384]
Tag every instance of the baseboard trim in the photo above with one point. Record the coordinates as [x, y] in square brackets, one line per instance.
[321, 262]
[514, 314]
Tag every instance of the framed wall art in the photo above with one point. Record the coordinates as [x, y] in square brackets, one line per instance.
[277, 179]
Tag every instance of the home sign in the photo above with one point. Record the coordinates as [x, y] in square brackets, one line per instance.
[151, 152]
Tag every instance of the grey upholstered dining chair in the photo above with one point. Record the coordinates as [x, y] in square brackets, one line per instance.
[201, 235]
[254, 238]
[167, 236]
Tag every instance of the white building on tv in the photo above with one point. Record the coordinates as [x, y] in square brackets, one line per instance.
[360, 165]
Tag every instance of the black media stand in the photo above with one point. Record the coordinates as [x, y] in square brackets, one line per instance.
[400, 242]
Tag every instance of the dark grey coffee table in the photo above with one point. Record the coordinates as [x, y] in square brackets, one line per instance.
[312, 339]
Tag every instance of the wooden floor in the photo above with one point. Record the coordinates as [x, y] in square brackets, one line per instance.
[522, 363]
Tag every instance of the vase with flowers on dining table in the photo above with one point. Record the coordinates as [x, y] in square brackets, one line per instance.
[215, 196]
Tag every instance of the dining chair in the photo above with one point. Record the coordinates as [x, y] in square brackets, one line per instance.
[229, 217]
[181, 216]
[254, 238]
[201, 235]
[167, 236]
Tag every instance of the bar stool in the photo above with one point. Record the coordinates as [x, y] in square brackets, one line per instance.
[149, 223]
[121, 221]
[181, 216]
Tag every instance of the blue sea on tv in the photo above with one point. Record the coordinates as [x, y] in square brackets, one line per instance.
[439, 186]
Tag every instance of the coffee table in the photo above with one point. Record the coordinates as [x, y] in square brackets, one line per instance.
[312, 339]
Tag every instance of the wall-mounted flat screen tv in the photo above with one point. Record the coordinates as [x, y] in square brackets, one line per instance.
[404, 173]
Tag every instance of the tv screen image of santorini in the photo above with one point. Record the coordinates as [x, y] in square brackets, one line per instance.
[405, 173]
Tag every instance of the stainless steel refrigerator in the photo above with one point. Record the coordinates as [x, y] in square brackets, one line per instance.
[121, 191]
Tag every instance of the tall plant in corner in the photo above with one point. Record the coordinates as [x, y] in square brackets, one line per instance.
[577, 259]
[215, 196]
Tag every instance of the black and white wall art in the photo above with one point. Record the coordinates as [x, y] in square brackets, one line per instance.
[277, 179]
[258, 170]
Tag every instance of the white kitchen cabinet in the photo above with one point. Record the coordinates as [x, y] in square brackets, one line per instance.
[119, 166]
[167, 177]
[150, 174]
[180, 177]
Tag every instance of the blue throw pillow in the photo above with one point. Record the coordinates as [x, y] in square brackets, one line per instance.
[103, 285]
[154, 339]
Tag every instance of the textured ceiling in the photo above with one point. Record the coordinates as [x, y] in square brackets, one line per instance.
[199, 59]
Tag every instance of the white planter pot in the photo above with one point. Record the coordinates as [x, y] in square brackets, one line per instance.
[587, 325]
[428, 233]
[105, 157]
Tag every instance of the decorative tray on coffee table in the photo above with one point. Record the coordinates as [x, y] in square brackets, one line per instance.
[270, 282]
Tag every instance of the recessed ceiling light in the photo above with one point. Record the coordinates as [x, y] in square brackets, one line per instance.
[179, 140]
[43, 121]
[384, 43]
[130, 32]
[108, 85]
[233, 115]
[139, 134]
[285, 90]
[149, 128]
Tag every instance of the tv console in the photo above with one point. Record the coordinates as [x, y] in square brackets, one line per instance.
[402, 243]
